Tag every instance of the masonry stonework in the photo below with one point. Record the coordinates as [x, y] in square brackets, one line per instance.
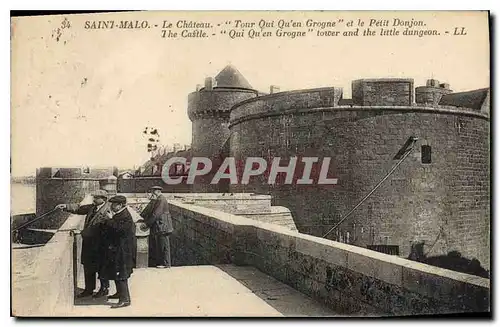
[348, 279]
[438, 198]
[208, 109]
[444, 202]
[383, 92]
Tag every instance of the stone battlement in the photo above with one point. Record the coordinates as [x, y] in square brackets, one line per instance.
[347, 279]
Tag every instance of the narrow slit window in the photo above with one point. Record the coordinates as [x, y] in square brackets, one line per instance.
[426, 154]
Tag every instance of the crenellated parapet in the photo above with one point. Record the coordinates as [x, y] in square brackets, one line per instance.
[444, 183]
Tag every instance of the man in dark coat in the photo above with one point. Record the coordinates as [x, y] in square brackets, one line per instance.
[91, 254]
[118, 233]
[156, 217]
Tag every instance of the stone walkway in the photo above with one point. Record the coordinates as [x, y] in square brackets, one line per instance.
[210, 291]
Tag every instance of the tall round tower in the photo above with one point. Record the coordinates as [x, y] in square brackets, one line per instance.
[208, 109]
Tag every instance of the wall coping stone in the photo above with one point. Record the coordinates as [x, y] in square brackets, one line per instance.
[212, 213]
[225, 197]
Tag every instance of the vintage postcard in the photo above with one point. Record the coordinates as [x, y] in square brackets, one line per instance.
[251, 164]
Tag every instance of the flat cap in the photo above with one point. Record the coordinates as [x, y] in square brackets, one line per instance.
[156, 188]
[100, 193]
[118, 199]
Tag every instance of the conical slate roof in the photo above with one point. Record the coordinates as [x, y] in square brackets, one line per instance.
[230, 77]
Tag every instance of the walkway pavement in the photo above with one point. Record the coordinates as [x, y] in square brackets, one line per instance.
[197, 291]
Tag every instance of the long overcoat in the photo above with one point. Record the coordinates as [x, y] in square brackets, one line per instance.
[118, 235]
[157, 216]
[91, 255]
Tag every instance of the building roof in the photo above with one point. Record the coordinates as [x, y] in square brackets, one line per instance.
[470, 99]
[230, 77]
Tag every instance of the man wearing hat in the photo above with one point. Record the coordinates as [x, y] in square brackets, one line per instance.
[118, 239]
[91, 255]
[157, 218]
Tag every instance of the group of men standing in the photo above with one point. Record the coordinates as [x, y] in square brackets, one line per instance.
[109, 242]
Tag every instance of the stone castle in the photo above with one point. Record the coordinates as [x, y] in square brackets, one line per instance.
[438, 198]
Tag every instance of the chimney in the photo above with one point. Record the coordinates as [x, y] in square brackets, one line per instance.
[210, 83]
[274, 89]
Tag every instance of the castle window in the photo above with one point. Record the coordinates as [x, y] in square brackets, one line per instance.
[426, 154]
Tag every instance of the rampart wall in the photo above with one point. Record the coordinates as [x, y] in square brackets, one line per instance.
[349, 279]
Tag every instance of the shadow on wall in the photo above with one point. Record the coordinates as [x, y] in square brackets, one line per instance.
[452, 261]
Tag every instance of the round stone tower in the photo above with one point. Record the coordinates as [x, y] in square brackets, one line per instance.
[208, 109]
[439, 195]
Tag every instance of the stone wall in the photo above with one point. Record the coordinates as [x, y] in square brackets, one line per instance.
[347, 278]
[383, 92]
[18, 220]
[209, 112]
[212, 103]
[278, 215]
[143, 184]
[200, 239]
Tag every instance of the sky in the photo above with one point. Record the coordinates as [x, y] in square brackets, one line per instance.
[83, 97]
